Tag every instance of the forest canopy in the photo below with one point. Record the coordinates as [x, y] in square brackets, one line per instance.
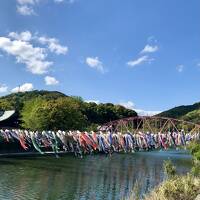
[44, 110]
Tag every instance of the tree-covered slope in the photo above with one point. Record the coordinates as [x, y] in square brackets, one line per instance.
[188, 113]
[54, 110]
[193, 116]
[16, 100]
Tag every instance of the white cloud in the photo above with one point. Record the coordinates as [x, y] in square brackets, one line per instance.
[24, 36]
[23, 88]
[145, 58]
[26, 48]
[180, 68]
[146, 113]
[93, 101]
[53, 45]
[152, 39]
[3, 88]
[25, 7]
[33, 57]
[25, 10]
[131, 105]
[49, 80]
[139, 61]
[149, 49]
[95, 63]
[59, 1]
[62, 1]
[22, 2]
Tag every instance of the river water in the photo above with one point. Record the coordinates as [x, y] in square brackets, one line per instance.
[96, 177]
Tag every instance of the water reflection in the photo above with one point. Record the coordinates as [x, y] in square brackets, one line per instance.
[91, 178]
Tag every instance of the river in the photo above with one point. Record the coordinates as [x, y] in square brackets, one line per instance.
[95, 177]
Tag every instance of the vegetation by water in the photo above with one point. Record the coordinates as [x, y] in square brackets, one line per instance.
[54, 110]
[169, 168]
[194, 148]
[176, 187]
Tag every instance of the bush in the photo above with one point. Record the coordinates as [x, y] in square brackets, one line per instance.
[194, 148]
[169, 168]
[177, 188]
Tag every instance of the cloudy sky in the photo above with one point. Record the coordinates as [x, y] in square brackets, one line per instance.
[143, 54]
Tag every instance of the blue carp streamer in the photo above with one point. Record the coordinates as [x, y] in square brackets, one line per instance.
[107, 142]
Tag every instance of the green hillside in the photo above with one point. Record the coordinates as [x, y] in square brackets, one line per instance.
[16, 100]
[55, 110]
[188, 113]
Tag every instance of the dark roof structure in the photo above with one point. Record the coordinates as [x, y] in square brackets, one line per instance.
[4, 115]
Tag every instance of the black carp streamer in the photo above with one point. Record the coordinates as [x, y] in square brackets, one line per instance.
[107, 142]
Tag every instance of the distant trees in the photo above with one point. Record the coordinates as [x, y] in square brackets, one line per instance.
[44, 110]
[188, 113]
[67, 113]
[177, 112]
[103, 113]
[193, 116]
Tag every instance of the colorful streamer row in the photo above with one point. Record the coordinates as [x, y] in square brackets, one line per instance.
[105, 142]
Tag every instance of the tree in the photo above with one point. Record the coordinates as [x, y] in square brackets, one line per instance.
[7, 105]
[62, 113]
[26, 103]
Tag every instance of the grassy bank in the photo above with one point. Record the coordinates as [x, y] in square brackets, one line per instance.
[176, 187]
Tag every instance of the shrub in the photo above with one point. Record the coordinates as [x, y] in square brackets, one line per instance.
[177, 188]
[169, 168]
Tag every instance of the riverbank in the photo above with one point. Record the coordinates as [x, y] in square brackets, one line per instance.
[177, 188]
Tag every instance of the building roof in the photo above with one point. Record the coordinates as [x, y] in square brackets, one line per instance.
[6, 114]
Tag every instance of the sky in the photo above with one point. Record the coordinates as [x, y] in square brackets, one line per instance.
[143, 54]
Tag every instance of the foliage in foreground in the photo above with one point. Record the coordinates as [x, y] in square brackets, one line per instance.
[194, 148]
[180, 187]
[177, 188]
[169, 168]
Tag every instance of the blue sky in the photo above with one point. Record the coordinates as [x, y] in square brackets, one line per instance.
[140, 53]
